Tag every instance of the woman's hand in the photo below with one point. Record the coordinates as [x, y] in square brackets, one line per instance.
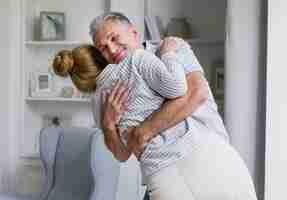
[137, 140]
[114, 105]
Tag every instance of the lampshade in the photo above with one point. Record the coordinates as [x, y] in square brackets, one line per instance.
[179, 27]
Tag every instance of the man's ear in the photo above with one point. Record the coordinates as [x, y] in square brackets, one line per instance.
[136, 36]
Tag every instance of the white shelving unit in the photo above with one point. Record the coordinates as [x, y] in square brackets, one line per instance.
[56, 99]
[37, 56]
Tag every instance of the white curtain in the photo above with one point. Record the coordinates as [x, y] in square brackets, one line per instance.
[245, 79]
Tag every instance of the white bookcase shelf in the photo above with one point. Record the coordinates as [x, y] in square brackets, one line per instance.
[57, 99]
[36, 65]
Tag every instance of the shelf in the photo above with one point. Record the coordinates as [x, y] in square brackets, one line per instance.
[56, 99]
[54, 43]
[31, 156]
[198, 41]
[31, 160]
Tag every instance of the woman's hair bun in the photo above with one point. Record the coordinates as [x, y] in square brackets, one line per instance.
[63, 63]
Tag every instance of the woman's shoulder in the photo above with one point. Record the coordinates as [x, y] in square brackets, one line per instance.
[142, 52]
[141, 56]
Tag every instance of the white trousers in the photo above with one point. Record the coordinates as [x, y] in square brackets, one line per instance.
[212, 171]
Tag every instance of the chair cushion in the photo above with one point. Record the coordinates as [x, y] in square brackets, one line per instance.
[73, 176]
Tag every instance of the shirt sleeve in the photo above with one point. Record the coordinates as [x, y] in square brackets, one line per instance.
[167, 80]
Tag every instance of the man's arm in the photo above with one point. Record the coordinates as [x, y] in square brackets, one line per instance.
[171, 112]
[175, 111]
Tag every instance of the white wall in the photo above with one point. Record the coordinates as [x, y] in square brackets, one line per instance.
[276, 129]
[5, 53]
[5, 70]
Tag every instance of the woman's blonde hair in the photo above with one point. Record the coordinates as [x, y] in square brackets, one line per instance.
[83, 64]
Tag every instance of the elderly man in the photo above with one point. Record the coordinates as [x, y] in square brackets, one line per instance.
[114, 36]
[114, 41]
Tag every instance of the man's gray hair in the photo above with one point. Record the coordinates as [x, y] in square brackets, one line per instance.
[99, 20]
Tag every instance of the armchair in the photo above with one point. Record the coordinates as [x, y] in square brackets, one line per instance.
[78, 166]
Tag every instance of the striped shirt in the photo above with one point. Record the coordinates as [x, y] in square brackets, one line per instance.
[176, 142]
[152, 80]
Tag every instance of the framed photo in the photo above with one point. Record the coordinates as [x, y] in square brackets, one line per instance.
[52, 25]
[42, 84]
[217, 77]
[219, 81]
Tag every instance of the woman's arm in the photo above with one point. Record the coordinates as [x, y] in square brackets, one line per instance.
[112, 109]
[115, 144]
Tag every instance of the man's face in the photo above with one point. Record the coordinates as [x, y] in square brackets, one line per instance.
[114, 40]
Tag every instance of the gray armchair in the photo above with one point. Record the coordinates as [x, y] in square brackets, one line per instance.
[49, 139]
[78, 166]
[69, 176]
[84, 169]
[66, 157]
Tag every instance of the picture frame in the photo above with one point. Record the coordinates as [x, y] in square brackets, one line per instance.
[217, 78]
[52, 26]
[219, 81]
[41, 84]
